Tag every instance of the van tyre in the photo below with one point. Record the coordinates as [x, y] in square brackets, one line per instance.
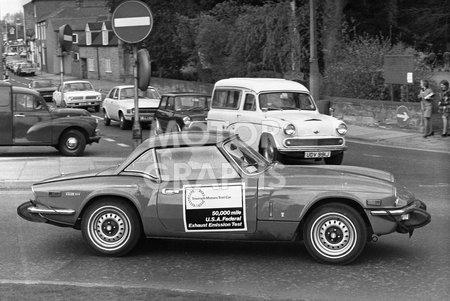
[269, 150]
[72, 143]
[111, 227]
[335, 233]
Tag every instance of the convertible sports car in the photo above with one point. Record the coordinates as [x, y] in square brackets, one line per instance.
[200, 185]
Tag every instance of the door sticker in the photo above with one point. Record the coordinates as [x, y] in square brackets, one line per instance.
[209, 208]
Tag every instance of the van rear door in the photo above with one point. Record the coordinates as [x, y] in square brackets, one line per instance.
[5, 114]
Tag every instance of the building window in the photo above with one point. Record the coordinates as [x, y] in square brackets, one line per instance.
[108, 65]
[76, 56]
[75, 38]
[90, 64]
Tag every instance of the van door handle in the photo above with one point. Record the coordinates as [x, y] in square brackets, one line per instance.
[19, 115]
[170, 191]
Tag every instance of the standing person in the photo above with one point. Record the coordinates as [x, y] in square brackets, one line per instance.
[444, 106]
[426, 95]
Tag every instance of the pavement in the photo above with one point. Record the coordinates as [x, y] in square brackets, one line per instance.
[21, 172]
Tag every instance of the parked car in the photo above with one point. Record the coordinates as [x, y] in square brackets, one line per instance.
[118, 105]
[45, 87]
[182, 110]
[25, 68]
[26, 119]
[195, 185]
[77, 94]
[278, 118]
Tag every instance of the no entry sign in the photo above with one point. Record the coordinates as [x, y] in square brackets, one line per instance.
[132, 21]
[65, 37]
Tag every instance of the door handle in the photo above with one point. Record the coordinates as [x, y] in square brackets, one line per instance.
[170, 191]
[19, 115]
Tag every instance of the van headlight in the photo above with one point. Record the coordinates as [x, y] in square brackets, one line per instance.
[342, 129]
[289, 129]
[187, 120]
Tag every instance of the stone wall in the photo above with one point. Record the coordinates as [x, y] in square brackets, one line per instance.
[373, 112]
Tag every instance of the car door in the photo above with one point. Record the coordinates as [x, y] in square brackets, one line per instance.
[248, 121]
[6, 121]
[225, 108]
[109, 104]
[202, 196]
[165, 114]
[32, 122]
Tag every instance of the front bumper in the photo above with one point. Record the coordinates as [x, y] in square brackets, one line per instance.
[83, 103]
[408, 218]
[35, 213]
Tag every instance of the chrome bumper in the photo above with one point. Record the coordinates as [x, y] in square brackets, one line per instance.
[32, 213]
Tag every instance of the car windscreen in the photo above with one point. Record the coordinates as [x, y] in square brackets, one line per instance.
[286, 101]
[250, 161]
[78, 87]
[188, 103]
[129, 93]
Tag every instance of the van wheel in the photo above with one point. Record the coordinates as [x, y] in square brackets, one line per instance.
[335, 160]
[269, 151]
[72, 143]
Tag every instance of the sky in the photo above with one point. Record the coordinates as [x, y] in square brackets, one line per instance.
[11, 6]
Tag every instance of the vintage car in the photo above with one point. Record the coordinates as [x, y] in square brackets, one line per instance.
[25, 68]
[182, 110]
[205, 185]
[45, 87]
[27, 120]
[77, 94]
[278, 118]
[119, 105]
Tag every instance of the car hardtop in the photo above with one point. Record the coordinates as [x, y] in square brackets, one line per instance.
[77, 81]
[42, 83]
[178, 139]
[259, 85]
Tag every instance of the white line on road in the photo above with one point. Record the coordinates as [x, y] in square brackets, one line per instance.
[109, 139]
[123, 145]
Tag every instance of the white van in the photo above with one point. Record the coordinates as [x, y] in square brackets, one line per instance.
[277, 117]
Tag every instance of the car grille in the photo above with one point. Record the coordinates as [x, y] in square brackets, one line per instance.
[314, 142]
[77, 98]
[147, 110]
[91, 97]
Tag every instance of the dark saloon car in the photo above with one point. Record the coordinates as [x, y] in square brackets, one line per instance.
[182, 110]
[45, 87]
[209, 186]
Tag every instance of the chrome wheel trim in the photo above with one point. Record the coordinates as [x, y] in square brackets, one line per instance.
[333, 235]
[109, 228]
[72, 143]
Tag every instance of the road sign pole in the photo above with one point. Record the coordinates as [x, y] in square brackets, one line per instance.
[61, 72]
[137, 130]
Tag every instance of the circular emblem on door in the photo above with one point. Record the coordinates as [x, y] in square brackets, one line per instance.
[196, 198]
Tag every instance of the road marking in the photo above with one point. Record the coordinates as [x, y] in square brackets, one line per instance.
[109, 139]
[99, 118]
[434, 185]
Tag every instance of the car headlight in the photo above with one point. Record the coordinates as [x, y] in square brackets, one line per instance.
[187, 120]
[130, 111]
[289, 129]
[69, 98]
[342, 129]
[99, 97]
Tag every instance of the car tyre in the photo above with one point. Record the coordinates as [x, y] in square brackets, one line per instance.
[72, 143]
[106, 119]
[269, 151]
[335, 160]
[335, 233]
[111, 227]
[97, 109]
[123, 123]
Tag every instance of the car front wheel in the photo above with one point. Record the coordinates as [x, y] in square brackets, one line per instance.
[335, 233]
[111, 227]
[106, 119]
[72, 143]
[123, 123]
[269, 151]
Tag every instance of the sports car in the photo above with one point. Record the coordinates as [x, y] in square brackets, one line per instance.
[213, 186]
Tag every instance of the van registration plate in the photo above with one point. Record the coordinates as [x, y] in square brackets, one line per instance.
[317, 154]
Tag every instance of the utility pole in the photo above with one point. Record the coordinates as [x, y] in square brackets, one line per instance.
[314, 76]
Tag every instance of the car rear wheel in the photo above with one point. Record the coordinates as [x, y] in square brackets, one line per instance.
[335, 160]
[123, 123]
[72, 143]
[106, 119]
[111, 227]
[335, 233]
[269, 151]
